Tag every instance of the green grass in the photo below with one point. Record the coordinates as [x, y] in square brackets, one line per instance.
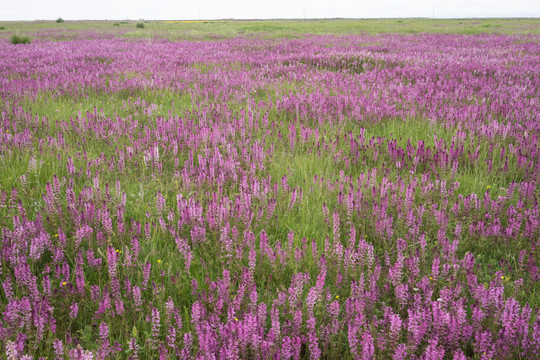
[207, 30]
[18, 39]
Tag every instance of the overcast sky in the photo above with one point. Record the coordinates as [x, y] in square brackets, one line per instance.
[249, 9]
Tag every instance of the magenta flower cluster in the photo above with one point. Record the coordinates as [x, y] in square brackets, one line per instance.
[323, 197]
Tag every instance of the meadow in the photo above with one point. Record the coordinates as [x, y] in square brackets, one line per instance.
[270, 189]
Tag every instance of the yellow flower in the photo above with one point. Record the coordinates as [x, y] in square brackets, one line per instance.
[159, 261]
[337, 296]
[64, 283]
[235, 319]
[488, 187]
[56, 235]
[430, 278]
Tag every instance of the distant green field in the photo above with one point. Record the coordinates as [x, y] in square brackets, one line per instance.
[198, 30]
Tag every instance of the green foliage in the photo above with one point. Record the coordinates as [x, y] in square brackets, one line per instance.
[116, 24]
[139, 25]
[2, 28]
[18, 39]
[59, 20]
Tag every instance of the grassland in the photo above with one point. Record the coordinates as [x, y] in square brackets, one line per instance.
[270, 189]
[215, 29]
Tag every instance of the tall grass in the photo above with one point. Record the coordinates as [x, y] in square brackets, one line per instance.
[19, 39]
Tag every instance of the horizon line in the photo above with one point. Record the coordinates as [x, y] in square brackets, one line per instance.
[291, 19]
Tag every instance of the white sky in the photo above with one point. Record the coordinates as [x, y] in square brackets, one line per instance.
[249, 9]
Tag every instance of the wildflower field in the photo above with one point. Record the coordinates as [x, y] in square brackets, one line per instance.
[251, 194]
